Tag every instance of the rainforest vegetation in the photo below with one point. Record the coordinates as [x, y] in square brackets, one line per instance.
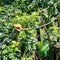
[29, 29]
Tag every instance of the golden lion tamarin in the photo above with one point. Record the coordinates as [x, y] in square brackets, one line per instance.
[18, 26]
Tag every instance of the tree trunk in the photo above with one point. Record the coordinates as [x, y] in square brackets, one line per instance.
[58, 18]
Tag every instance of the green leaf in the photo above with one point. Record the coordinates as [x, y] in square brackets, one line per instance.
[1, 8]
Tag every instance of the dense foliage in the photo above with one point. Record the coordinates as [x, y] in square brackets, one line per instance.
[27, 13]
